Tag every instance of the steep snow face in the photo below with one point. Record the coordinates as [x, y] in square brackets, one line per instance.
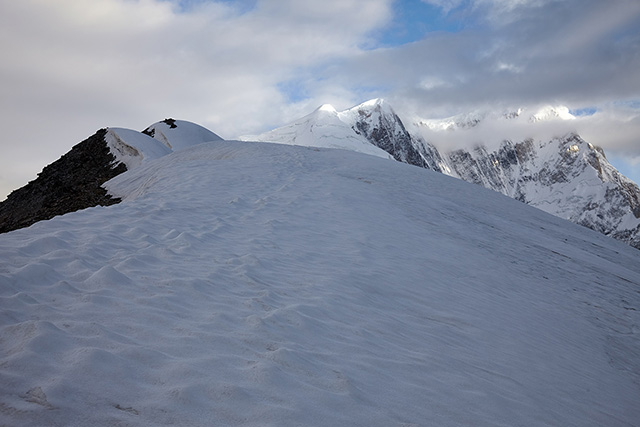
[322, 128]
[179, 134]
[263, 284]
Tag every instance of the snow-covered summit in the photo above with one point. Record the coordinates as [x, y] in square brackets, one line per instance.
[133, 148]
[180, 134]
[549, 112]
[372, 110]
[328, 108]
[324, 127]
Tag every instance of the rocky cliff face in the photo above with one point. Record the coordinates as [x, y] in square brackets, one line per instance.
[71, 183]
[566, 176]
[380, 125]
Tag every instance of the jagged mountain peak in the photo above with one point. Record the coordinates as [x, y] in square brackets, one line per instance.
[550, 112]
[563, 175]
[326, 108]
[372, 109]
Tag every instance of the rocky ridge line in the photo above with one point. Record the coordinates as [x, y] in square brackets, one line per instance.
[71, 183]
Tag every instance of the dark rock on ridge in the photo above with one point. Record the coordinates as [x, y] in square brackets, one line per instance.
[71, 183]
[152, 132]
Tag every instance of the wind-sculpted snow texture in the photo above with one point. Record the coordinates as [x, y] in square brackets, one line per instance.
[249, 284]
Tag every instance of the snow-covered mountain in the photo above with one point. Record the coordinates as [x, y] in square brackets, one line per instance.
[75, 181]
[322, 128]
[245, 284]
[563, 175]
[474, 118]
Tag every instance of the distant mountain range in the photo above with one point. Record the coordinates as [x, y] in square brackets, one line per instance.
[563, 175]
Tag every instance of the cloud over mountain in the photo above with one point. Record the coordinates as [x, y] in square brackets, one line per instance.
[247, 66]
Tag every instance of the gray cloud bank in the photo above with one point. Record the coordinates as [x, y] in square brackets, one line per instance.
[70, 67]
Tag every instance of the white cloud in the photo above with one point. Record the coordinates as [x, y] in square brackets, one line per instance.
[615, 127]
[445, 5]
[70, 67]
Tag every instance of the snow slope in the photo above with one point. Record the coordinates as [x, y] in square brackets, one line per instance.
[256, 284]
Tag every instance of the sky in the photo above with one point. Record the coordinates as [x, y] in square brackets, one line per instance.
[237, 67]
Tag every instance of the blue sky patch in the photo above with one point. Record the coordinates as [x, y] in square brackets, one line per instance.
[583, 112]
[414, 19]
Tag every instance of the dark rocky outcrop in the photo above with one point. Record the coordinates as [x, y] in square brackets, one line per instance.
[71, 183]
[384, 129]
[170, 122]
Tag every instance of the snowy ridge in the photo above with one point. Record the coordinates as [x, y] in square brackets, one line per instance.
[180, 134]
[133, 148]
[261, 284]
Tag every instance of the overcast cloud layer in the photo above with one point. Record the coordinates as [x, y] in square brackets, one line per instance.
[70, 67]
